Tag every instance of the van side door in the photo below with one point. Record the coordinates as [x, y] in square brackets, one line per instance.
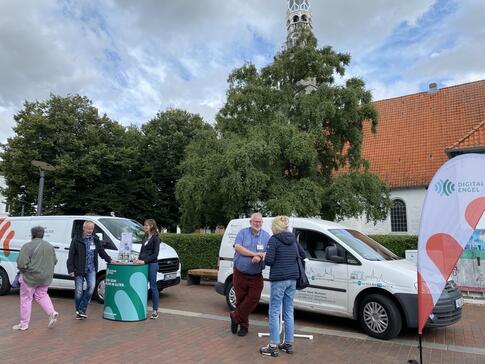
[327, 273]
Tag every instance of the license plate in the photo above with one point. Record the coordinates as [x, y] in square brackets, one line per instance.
[459, 302]
[169, 276]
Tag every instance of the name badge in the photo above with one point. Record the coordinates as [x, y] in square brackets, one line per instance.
[92, 247]
[260, 247]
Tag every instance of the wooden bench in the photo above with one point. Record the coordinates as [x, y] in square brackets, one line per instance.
[193, 275]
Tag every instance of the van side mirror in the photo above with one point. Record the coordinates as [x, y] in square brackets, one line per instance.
[108, 244]
[336, 259]
[331, 254]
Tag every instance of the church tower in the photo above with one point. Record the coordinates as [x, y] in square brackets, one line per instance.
[298, 17]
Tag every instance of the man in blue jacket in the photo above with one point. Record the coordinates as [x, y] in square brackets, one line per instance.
[250, 246]
[82, 264]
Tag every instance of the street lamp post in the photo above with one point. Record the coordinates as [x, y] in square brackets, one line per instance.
[43, 166]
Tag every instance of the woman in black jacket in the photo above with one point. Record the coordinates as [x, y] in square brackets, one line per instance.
[150, 246]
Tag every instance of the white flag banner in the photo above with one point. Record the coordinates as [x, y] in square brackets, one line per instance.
[454, 203]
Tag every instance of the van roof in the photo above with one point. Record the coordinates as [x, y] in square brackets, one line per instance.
[308, 220]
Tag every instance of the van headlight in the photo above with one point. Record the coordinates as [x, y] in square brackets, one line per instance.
[416, 285]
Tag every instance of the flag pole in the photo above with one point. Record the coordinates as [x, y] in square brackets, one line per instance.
[412, 361]
[420, 349]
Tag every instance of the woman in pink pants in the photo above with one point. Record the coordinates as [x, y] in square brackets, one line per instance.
[36, 263]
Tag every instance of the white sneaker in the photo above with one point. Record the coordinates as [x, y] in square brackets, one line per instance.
[52, 319]
[19, 327]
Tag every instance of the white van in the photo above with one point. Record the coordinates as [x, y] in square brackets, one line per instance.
[351, 276]
[59, 231]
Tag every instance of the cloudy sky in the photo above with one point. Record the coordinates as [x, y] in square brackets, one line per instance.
[134, 58]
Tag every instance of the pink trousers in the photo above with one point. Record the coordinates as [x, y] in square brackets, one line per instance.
[39, 294]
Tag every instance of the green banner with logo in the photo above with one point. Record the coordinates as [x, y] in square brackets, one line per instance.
[126, 288]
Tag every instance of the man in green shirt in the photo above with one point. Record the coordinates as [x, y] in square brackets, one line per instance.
[36, 263]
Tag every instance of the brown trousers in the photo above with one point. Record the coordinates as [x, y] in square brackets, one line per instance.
[248, 292]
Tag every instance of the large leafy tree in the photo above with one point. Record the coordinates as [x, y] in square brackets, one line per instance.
[97, 160]
[287, 141]
[165, 138]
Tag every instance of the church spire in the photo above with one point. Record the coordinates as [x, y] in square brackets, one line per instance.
[298, 17]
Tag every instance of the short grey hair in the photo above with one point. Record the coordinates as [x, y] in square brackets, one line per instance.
[37, 232]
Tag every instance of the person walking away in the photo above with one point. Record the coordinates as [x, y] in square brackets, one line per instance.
[82, 264]
[36, 263]
[149, 255]
[249, 246]
[281, 256]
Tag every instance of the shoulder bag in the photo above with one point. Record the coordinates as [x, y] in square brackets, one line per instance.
[302, 282]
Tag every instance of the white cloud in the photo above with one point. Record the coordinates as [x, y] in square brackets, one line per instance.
[136, 58]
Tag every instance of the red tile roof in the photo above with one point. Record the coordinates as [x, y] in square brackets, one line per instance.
[472, 140]
[415, 130]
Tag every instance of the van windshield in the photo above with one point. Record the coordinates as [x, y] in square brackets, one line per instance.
[118, 226]
[363, 245]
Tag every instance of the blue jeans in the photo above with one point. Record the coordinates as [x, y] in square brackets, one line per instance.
[83, 297]
[152, 279]
[282, 293]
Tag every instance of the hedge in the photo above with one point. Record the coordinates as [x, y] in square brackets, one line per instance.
[195, 250]
[397, 243]
[202, 250]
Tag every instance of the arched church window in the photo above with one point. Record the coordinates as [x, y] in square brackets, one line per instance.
[296, 19]
[398, 216]
[304, 18]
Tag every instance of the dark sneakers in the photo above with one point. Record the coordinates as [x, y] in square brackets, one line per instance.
[234, 324]
[287, 348]
[81, 315]
[243, 331]
[269, 350]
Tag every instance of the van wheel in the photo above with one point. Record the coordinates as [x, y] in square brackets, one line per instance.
[98, 294]
[4, 282]
[379, 317]
[231, 296]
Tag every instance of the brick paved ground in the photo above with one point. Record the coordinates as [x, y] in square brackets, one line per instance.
[194, 328]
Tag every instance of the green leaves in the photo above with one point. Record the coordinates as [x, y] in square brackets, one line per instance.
[280, 138]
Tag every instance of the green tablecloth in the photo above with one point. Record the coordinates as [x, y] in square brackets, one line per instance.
[125, 297]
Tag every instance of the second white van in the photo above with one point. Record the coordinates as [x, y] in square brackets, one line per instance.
[351, 276]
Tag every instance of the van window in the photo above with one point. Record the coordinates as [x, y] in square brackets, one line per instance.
[363, 245]
[77, 230]
[318, 246]
[118, 226]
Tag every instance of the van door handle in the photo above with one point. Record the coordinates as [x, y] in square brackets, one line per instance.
[56, 247]
[66, 248]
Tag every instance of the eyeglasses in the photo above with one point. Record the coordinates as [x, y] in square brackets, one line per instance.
[257, 221]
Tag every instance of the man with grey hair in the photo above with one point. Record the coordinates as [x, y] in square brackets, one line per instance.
[82, 264]
[36, 263]
[250, 247]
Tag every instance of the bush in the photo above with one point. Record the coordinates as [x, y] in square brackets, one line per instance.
[398, 244]
[195, 250]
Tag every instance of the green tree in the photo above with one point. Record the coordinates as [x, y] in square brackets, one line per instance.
[287, 141]
[97, 160]
[164, 141]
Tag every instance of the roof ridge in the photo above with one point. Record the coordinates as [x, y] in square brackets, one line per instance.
[426, 91]
[467, 135]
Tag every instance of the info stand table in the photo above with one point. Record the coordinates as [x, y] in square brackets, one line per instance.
[126, 288]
